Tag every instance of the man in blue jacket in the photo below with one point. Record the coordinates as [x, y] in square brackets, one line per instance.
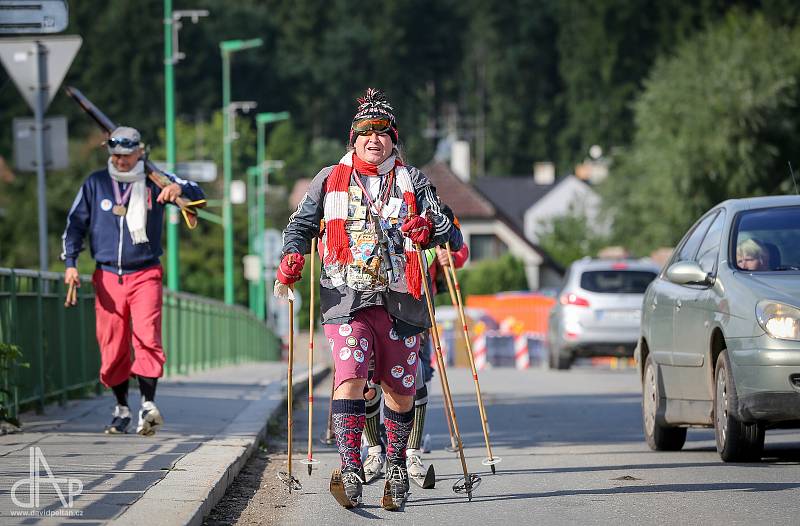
[122, 212]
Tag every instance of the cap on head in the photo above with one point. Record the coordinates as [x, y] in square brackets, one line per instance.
[374, 105]
[124, 140]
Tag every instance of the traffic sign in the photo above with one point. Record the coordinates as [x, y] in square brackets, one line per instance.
[56, 151]
[19, 57]
[34, 16]
[273, 245]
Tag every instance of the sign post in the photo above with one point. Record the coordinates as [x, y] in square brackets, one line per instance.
[37, 81]
[38, 115]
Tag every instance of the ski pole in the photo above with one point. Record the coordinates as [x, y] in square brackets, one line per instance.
[310, 461]
[452, 283]
[286, 476]
[471, 481]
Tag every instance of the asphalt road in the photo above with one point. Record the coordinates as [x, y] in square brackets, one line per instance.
[573, 453]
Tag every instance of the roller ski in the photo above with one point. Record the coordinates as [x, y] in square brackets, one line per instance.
[395, 491]
[424, 477]
[346, 487]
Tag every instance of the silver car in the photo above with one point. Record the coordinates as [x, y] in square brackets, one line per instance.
[598, 310]
[720, 336]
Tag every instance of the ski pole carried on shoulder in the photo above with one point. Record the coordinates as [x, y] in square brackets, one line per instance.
[188, 208]
[452, 283]
[310, 460]
[470, 481]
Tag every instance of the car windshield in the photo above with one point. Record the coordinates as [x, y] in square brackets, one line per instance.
[617, 281]
[768, 240]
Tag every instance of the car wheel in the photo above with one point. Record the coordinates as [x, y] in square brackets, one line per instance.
[737, 441]
[659, 437]
[558, 360]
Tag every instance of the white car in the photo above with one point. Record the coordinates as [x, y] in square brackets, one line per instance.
[599, 309]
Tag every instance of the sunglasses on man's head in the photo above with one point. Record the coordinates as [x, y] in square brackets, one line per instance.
[369, 126]
[123, 142]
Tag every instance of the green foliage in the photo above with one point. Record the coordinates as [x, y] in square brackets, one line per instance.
[506, 273]
[570, 237]
[605, 49]
[525, 81]
[718, 120]
[9, 357]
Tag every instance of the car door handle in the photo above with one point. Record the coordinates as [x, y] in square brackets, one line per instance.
[654, 304]
[678, 305]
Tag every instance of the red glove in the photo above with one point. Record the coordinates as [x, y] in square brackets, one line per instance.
[290, 268]
[418, 229]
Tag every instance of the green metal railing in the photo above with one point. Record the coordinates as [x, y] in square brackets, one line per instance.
[60, 347]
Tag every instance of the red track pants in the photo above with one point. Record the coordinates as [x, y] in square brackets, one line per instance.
[129, 313]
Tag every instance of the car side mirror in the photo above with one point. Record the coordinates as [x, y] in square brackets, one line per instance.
[688, 273]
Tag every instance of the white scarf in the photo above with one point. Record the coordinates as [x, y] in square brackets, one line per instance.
[136, 216]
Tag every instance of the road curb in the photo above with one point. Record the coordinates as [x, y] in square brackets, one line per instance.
[199, 480]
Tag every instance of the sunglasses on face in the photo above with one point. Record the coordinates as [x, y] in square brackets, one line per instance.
[123, 142]
[370, 126]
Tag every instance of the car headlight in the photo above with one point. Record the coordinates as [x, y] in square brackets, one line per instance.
[780, 320]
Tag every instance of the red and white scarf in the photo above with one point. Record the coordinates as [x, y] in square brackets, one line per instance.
[337, 244]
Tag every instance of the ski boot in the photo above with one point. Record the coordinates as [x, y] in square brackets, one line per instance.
[423, 477]
[373, 464]
[395, 491]
[346, 487]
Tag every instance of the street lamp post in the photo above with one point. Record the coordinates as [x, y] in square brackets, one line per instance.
[228, 47]
[258, 296]
[172, 56]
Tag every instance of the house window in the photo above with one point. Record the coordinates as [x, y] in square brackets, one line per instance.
[485, 246]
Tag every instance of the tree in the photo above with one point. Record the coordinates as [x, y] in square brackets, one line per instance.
[569, 237]
[490, 276]
[717, 120]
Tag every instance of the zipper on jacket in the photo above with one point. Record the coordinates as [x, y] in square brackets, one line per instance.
[119, 251]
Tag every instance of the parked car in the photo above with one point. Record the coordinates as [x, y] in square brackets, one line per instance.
[598, 310]
[720, 335]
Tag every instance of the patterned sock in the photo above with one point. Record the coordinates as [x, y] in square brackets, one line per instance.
[373, 422]
[348, 424]
[398, 427]
[420, 406]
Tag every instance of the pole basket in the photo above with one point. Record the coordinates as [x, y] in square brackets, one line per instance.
[289, 481]
[310, 462]
[463, 485]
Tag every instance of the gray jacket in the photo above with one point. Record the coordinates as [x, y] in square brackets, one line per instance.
[338, 304]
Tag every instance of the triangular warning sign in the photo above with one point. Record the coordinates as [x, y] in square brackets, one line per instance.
[20, 58]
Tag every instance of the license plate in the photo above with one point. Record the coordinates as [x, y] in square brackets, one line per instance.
[619, 316]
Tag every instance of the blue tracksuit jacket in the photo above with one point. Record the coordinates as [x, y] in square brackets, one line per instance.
[109, 239]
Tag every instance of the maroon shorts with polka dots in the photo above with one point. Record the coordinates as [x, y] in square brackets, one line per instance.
[370, 336]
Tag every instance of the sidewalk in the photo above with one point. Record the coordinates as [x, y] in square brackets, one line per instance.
[213, 422]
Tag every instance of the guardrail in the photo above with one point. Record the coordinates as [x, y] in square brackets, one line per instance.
[60, 347]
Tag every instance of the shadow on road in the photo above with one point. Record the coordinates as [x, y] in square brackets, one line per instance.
[755, 487]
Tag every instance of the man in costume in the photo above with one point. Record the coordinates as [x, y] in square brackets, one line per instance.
[375, 210]
[122, 212]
